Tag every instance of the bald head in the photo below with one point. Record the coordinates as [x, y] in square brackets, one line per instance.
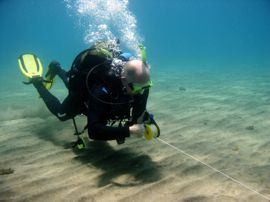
[135, 71]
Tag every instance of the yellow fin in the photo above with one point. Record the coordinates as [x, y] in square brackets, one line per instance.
[49, 80]
[30, 65]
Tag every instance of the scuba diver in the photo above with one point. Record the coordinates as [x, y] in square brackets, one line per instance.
[104, 84]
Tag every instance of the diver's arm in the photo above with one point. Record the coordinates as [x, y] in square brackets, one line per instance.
[139, 112]
[140, 116]
[98, 130]
[97, 120]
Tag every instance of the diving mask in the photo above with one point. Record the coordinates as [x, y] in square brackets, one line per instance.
[139, 88]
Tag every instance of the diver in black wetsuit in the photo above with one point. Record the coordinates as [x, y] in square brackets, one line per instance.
[106, 89]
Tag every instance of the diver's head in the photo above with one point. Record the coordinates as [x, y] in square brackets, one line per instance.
[136, 77]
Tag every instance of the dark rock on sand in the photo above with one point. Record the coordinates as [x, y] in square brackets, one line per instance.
[250, 128]
[182, 89]
[6, 171]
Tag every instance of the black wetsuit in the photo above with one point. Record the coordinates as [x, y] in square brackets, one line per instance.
[97, 105]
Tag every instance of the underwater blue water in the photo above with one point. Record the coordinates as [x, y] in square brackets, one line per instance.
[178, 33]
[210, 61]
[209, 32]
[41, 27]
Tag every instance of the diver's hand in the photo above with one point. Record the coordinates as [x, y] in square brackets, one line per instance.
[137, 130]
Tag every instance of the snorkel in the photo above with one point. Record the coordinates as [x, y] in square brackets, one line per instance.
[143, 53]
[138, 88]
[152, 130]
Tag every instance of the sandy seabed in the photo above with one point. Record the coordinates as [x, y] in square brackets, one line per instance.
[221, 119]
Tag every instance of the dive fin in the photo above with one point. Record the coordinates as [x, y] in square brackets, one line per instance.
[49, 79]
[30, 65]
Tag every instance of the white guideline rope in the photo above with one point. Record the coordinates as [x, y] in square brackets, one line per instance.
[216, 170]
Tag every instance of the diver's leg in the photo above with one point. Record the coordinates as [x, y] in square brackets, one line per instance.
[61, 111]
[63, 75]
[55, 69]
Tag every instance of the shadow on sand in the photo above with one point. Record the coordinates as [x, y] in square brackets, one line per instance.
[5, 191]
[117, 163]
[113, 162]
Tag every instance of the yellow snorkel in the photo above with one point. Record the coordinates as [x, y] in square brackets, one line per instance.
[143, 53]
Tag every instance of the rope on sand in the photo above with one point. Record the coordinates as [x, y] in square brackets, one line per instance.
[216, 170]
